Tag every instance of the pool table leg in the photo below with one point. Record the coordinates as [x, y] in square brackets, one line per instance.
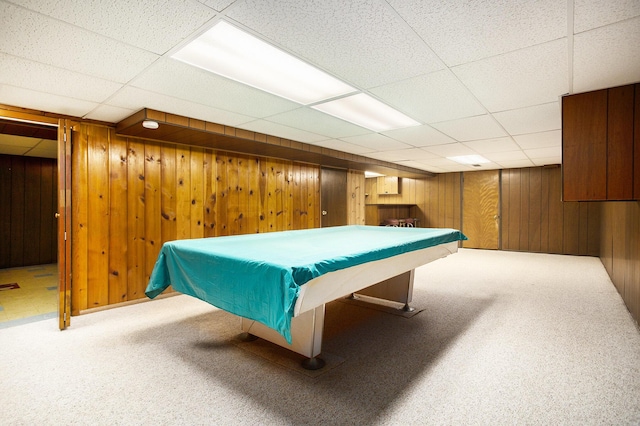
[306, 335]
[396, 289]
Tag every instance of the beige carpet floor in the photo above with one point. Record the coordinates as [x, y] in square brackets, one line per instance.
[503, 338]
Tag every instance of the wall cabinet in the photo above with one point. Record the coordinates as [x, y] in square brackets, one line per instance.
[600, 158]
[388, 185]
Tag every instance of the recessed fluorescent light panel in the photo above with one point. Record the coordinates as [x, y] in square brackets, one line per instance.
[469, 159]
[368, 112]
[235, 54]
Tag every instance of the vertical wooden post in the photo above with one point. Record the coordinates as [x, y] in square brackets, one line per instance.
[64, 223]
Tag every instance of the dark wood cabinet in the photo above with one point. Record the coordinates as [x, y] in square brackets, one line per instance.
[598, 145]
[584, 146]
[620, 143]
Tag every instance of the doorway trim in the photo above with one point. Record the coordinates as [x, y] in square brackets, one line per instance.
[64, 201]
[64, 223]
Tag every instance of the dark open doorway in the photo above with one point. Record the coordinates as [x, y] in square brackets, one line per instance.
[28, 228]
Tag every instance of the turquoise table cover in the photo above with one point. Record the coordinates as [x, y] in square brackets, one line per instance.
[258, 276]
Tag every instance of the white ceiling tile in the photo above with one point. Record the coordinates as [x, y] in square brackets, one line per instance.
[392, 156]
[33, 36]
[465, 31]
[110, 114]
[590, 14]
[281, 131]
[419, 136]
[362, 41]
[318, 122]
[182, 81]
[343, 146]
[500, 157]
[376, 142]
[516, 164]
[539, 140]
[25, 98]
[18, 141]
[9, 149]
[430, 98]
[421, 154]
[44, 149]
[531, 76]
[135, 99]
[457, 168]
[608, 56]
[486, 166]
[415, 154]
[439, 162]
[41, 153]
[466, 129]
[538, 118]
[492, 145]
[549, 152]
[421, 166]
[37, 76]
[218, 5]
[441, 165]
[450, 150]
[152, 25]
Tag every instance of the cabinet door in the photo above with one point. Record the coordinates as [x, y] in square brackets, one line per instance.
[584, 146]
[620, 143]
[388, 185]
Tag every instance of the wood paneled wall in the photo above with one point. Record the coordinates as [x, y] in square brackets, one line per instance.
[435, 201]
[620, 250]
[535, 219]
[533, 216]
[28, 202]
[377, 214]
[132, 195]
[355, 197]
[390, 206]
[438, 201]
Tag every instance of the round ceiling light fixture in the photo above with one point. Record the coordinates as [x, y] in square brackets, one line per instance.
[150, 124]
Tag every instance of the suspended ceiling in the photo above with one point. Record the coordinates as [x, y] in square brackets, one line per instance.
[482, 77]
